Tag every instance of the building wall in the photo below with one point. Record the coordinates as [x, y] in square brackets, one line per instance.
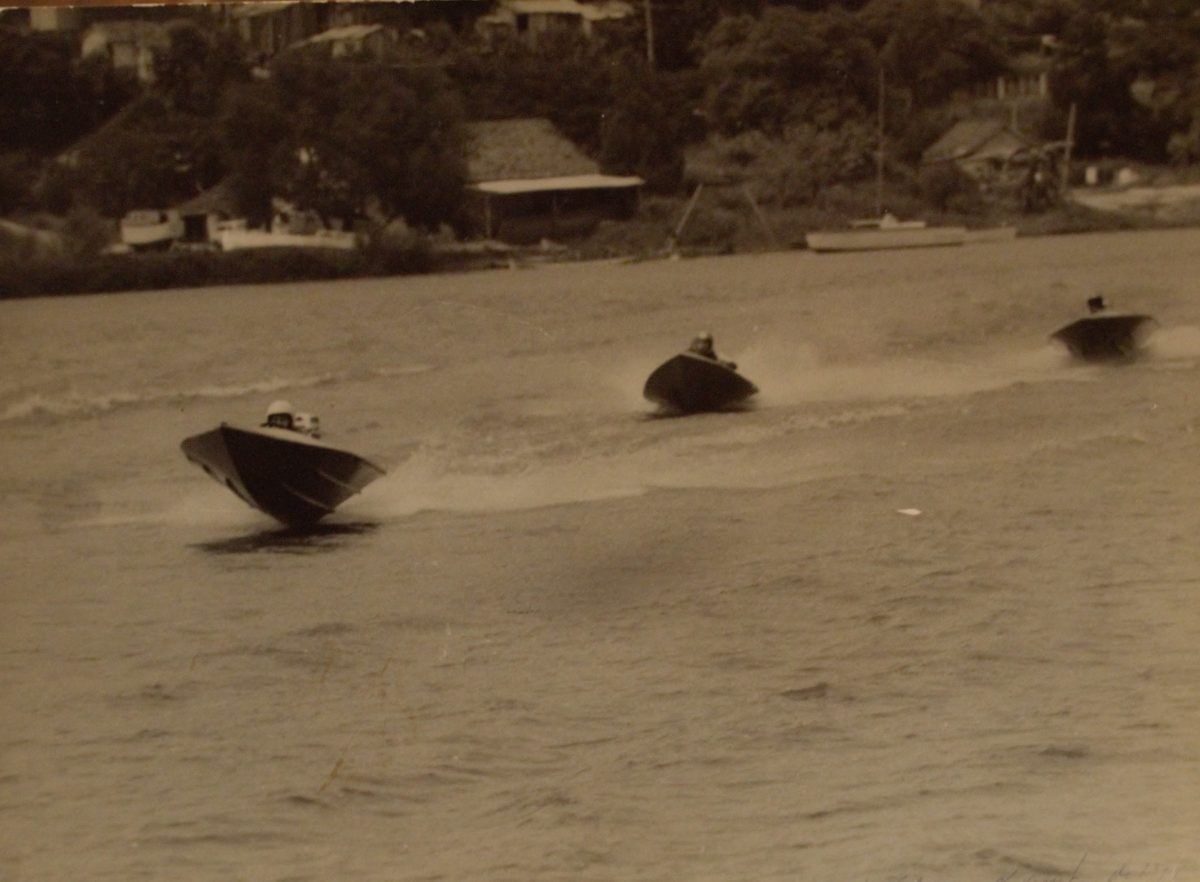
[54, 18]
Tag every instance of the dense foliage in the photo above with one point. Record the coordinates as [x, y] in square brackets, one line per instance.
[349, 140]
[786, 92]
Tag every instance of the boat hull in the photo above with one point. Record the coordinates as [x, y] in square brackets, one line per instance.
[1105, 337]
[691, 383]
[290, 477]
[885, 239]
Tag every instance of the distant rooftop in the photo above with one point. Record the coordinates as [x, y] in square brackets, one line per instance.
[970, 137]
[347, 32]
[597, 11]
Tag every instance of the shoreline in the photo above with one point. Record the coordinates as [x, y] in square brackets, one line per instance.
[65, 276]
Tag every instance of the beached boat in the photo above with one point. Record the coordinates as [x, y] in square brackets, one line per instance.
[290, 476]
[1107, 337]
[689, 383]
[884, 234]
[149, 230]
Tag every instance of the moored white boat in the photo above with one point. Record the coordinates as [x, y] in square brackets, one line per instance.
[145, 230]
[885, 236]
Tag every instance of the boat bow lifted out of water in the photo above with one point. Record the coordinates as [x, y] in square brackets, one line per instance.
[1105, 336]
[690, 383]
[1108, 337]
[290, 476]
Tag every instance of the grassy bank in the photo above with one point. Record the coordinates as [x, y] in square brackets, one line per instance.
[23, 275]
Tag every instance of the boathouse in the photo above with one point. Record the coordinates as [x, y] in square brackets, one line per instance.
[528, 182]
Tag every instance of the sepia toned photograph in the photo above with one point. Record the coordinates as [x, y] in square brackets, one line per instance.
[600, 441]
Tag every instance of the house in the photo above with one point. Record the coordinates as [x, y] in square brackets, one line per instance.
[374, 40]
[530, 19]
[205, 215]
[268, 28]
[55, 19]
[983, 148]
[129, 45]
[528, 182]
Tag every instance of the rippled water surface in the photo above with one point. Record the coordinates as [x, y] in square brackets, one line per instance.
[927, 611]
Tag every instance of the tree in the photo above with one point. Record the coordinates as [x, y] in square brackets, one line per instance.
[16, 175]
[197, 66]
[932, 48]
[350, 140]
[57, 102]
[564, 78]
[648, 124]
[149, 157]
[786, 66]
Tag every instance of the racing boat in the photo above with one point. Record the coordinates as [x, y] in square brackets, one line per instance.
[1105, 336]
[689, 383]
[288, 475]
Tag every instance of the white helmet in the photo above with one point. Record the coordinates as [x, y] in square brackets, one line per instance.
[279, 414]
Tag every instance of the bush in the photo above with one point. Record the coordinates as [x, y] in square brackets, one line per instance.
[948, 188]
[86, 233]
[24, 275]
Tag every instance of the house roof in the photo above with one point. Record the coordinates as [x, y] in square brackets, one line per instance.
[521, 149]
[218, 199]
[604, 9]
[347, 32]
[253, 10]
[975, 138]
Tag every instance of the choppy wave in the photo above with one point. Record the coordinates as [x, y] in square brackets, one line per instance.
[1175, 344]
[71, 404]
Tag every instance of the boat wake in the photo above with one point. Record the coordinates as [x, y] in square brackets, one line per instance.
[1174, 344]
[800, 376]
[72, 404]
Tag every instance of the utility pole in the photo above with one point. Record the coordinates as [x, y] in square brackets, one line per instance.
[879, 152]
[1066, 169]
[649, 36]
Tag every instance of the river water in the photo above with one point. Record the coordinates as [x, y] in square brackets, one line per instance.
[928, 611]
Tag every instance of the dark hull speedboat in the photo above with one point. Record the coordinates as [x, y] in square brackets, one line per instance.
[690, 383]
[1105, 337]
[292, 477]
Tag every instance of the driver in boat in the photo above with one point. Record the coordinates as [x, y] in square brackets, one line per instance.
[281, 416]
[307, 423]
[702, 345]
[1096, 304]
